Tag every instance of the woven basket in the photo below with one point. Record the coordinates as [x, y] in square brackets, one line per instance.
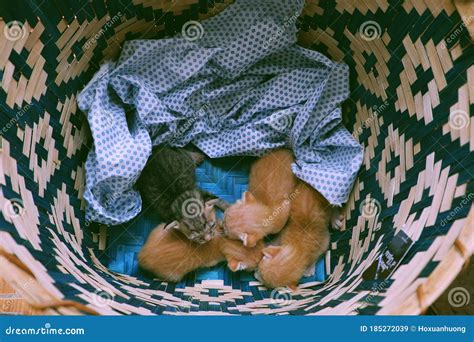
[412, 84]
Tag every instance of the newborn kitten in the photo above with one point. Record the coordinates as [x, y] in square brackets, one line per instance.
[169, 255]
[303, 240]
[265, 208]
[167, 184]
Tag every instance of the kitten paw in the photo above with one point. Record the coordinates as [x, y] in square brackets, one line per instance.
[222, 205]
[197, 157]
[310, 271]
[236, 266]
[213, 200]
[337, 220]
[241, 266]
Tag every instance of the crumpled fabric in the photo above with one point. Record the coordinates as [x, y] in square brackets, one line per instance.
[235, 84]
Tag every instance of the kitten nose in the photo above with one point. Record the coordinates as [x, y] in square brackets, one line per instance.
[208, 237]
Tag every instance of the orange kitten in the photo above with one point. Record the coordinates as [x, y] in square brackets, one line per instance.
[302, 242]
[265, 208]
[169, 255]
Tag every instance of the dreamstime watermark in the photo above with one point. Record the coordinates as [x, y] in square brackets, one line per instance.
[19, 293]
[281, 296]
[281, 30]
[282, 122]
[466, 202]
[15, 30]
[198, 115]
[370, 30]
[459, 119]
[459, 30]
[111, 198]
[459, 297]
[107, 26]
[102, 298]
[369, 208]
[376, 111]
[13, 208]
[192, 31]
[286, 203]
[15, 119]
[376, 289]
[192, 208]
[47, 329]
[107, 118]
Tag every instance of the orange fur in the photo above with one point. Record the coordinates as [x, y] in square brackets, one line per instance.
[265, 208]
[302, 242]
[169, 255]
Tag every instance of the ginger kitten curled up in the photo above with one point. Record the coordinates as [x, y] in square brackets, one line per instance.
[265, 208]
[302, 242]
[169, 255]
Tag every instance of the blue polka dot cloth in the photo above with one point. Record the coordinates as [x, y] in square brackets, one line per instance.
[235, 84]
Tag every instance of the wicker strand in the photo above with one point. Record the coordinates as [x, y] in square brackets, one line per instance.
[466, 11]
[17, 262]
[463, 250]
[54, 304]
[58, 304]
[421, 295]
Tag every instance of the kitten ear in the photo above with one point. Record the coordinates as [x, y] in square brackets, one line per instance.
[251, 240]
[247, 197]
[218, 203]
[172, 225]
[257, 276]
[232, 264]
[235, 265]
[271, 251]
[244, 237]
[293, 287]
[248, 240]
[211, 203]
[209, 211]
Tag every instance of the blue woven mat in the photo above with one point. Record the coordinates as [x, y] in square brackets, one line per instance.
[227, 178]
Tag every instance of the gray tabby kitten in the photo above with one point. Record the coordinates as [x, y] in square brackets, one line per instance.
[167, 184]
